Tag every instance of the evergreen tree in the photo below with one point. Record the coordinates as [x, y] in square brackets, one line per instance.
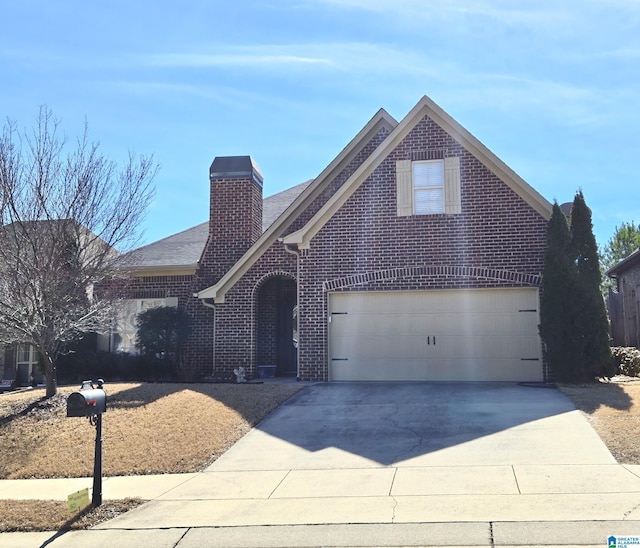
[557, 299]
[590, 319]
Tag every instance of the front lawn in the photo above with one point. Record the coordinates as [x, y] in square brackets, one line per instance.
[147, 429]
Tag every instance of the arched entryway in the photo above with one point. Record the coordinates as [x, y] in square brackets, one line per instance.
[275, 304]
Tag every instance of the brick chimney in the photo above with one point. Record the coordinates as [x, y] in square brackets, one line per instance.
[235, 218]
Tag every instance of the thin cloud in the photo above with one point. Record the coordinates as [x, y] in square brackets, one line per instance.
[538, 14]
[350, 57]
[228, 96]
[566, 104]
[145, 87]
[358, 64]
[240, 57]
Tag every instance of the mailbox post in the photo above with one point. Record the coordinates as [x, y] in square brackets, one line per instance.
[91, 402]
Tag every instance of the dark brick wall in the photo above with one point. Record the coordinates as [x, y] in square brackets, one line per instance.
[235, 223]
[497, 241]
[237, 342]
[237, 318]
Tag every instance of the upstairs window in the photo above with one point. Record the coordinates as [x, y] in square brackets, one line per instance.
[428, 187]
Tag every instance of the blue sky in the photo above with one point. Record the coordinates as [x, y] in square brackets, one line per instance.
[552, 87]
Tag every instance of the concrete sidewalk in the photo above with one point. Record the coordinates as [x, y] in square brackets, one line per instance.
[539, 477]
[454, 534]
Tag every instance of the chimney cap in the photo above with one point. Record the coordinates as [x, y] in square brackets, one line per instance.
[235, 167]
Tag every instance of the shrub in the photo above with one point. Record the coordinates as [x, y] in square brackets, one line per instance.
[162, 333]
[627, 360]
[78, 366]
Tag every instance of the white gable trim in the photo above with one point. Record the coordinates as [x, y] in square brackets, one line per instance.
[426, 107]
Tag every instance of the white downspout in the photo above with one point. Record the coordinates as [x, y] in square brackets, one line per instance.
[297, 255]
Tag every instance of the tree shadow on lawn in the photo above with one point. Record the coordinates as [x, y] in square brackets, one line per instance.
[591, 397]
[222, 413]
[237, 396]
[232, 395]
[22, 411]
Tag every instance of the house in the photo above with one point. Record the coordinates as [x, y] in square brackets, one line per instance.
[624, 303]
[415, 255]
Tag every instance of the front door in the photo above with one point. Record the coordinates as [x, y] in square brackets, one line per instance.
[275, 344]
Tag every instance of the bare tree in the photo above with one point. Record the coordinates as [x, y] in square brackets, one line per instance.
[66, 214]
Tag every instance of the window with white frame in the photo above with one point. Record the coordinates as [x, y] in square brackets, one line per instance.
[26, 363]
[428, 187]
[123, 337]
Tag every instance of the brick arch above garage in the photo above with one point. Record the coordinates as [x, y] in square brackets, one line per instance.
[478, 273]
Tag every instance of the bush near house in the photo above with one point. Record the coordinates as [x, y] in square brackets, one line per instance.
[626, 360]
[78, 366]
[162, 332]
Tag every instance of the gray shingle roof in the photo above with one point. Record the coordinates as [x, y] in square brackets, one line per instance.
[185, 248]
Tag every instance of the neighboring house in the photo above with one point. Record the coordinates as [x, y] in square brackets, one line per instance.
[624, 303]
[415, 255]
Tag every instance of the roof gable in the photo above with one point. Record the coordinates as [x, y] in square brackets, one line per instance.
[398, 131]
[425, 107]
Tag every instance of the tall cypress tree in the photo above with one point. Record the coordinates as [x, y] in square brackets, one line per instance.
[590, 323]
[557, 300]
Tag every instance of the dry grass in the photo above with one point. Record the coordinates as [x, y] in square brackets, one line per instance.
[148, 428]
[48, 515]
[613, 409]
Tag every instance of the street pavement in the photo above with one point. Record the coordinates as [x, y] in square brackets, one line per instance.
[381, 464]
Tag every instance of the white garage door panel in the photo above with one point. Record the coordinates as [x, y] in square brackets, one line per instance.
[446, 347]
[418, 370]
[435, 335]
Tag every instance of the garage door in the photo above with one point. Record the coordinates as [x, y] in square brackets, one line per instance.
[465, 335]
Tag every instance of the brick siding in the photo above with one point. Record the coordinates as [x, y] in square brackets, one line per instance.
[497, 241]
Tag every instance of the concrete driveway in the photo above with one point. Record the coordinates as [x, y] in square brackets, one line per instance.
[370, 425]
[392, 453]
